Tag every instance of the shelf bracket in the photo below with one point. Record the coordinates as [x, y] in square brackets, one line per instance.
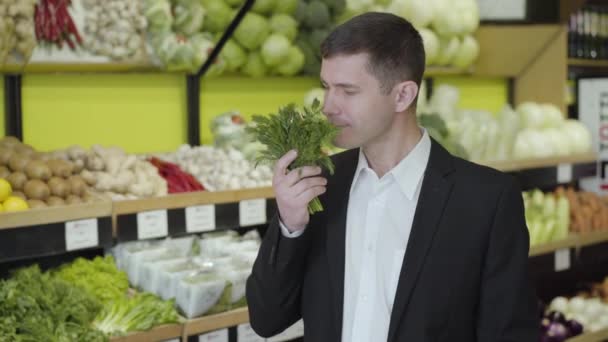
[12, 106]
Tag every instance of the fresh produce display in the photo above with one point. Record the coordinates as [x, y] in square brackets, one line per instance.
[177, 180]
[554, 327]
[316, 18]
[35, 306]
[115, 28]
[533, 131]
[307, 131]
[40, 178]
[588, 308]
[17, 38]
[588, 211]
[54, 24]
[203, 276]
[8, 202]
[547, 216]
[446, 26]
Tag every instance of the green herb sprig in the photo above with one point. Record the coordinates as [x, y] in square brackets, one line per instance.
[306, 131]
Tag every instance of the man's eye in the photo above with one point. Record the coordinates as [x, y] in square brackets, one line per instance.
[350, 92]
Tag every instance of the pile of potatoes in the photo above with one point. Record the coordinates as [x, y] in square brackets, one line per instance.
[39, 178]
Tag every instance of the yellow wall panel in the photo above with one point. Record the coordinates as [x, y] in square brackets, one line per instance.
[249, 96]
[139, 112]
[2, 107]
[476, 93]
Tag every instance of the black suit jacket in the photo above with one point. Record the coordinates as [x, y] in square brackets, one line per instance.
[464, 276]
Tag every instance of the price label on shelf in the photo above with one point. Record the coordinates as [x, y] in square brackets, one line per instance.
[81, 234]
[564, 173]
[200, 218]
[173, 340]
[152, 224]
[252, 212]
[214, 336]
[562, 259]
[246, 334]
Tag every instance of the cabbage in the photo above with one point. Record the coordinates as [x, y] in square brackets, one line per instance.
[431, 45]
[470, 16]
[358, 6]
[286, 6]
[255, 66]
[234, 55]
[454, 18]
[275, 49]
[560, 144]
[467, 53]
[317, 15]
[532, 144]
[232, 3]
[218, 16]
[158, 14]
[578, 135]
[552, 115]
[532, 115]
[285, 25]
[188, 16]
[293, 63]
[253, 31]
[264, 6]
[448, 48]
[202, 45]
[316, 38]
[175, 53]
[419, 12]
[314, 94]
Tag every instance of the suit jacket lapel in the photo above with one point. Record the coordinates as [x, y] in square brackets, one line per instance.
[434, 193]
[335, 208]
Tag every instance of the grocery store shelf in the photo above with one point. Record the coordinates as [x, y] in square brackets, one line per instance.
[587, 63]
[160, 333]
[571, 242]
[205, 324]
[597, 336]
[43, 68]
[41, 216]
[526, 164]
[432, 71]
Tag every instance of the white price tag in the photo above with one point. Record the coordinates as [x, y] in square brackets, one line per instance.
[174, 340]
[246, 334]
[81, 234]
[294, 331]
[564, 173]
[562, 259]
[152, 224]
[214, 336]
[200, 218]
[252, 212]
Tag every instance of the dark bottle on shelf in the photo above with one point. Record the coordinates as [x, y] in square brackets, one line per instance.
[603, 39]
[587, 33]
[580, 37]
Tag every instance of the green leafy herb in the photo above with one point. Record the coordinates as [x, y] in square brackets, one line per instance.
[307, 131]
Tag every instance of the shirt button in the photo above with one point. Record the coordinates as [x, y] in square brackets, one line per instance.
[370, 248]
[364, 298]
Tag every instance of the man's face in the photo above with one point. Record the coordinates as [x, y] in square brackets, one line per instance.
[354, 101]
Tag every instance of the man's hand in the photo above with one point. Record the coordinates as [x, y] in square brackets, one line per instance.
[294, 190]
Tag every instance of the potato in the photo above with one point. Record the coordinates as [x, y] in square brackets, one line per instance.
[37, 169]
[78, 166]
[61, 168]
[60, 187]
[72, 199]
[17, 180]
[37, 189]
[55, 201]
[5, 155]
[78, 185]
[34, 203]
[24, 149]
[4, 172]
[18, 162]
[19, 194]
[9, 141]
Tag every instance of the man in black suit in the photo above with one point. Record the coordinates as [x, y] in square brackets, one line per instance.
[414, 244]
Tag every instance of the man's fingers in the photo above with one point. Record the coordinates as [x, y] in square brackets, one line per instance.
[280, 167]
[294, 176]
[308, 183]
[309, 194]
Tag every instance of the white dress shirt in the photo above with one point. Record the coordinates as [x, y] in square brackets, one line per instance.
[378, 224]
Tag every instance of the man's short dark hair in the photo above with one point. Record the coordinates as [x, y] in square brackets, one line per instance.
[394, 47]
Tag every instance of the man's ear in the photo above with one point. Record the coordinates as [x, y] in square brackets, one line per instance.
[405, 95]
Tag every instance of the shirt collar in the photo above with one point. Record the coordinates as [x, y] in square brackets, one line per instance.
[408, 173]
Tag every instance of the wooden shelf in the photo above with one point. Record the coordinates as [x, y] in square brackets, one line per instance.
[597, 336]
[189, 199]
[66, 213]
[518, 165]
[571, 242]
[587, 63]
[433, 71]
[160, 333]
[205, 324]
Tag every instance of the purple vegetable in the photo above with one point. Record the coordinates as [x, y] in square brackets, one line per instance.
[575, 327]
[556, 332]
[556, 316]
[544, 324]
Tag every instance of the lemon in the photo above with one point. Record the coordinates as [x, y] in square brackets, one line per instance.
[15, 204]
[5, 189]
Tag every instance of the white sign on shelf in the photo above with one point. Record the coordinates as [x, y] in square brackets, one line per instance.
[294, 331]
[173, 340]
[562, 259]
[592, 101]
[564, 173]
[214, 336]
[81, 234]
[152, 224]
[246, 334]
[252, 212]
[200, 218]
